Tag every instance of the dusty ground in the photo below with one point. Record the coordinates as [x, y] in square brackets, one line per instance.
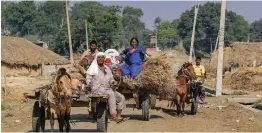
[209, 118]
[16, 116]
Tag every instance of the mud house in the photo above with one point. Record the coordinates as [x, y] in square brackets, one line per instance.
[20, 57]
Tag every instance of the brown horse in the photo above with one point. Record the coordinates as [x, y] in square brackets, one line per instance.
[62, 91]
[185, 74]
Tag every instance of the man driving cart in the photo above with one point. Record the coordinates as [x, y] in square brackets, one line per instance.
[200, 77]
[100, 80]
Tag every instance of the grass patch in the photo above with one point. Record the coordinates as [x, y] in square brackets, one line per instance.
[209, 95]
[5, 105]
[257, 103]
[239, 93]
[9, 115]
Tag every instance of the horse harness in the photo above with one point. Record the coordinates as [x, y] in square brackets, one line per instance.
[57, 95]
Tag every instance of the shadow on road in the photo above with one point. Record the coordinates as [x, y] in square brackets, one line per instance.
[172, 112]
[81, 118]
[72, 130]
[139, 117]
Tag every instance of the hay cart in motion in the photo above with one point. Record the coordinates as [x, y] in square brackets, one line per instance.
[192, 96]
[41, 108]
[144, 100]
[150, 82]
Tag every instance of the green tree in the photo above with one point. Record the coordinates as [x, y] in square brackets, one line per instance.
[20, 17]
[51, 17]
[207, 26]
[256, 31]
[104, 23]
[157, 21]
[132, 24]
[166, 33]
[4, 24]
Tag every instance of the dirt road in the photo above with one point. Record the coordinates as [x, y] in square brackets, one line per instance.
[209, 118]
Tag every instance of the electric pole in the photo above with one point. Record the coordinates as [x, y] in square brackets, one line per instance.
[217, 40]
[156, 38]
[193, 34]
[69, 33]
[219, 83]
[86, 35]
[211, 51]
[248, 37]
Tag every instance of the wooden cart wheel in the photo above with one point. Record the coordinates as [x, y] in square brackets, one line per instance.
[38, 118]
[194, 104]
[153, 101]
[94, 109]
[145, 109]
[102, 117]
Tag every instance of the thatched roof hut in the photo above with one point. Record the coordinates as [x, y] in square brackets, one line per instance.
[241, 53]
[19, 51]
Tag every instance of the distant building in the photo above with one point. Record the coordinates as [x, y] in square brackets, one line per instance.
[153, 40]
[20, 57]
[41, 44]
[33, 39]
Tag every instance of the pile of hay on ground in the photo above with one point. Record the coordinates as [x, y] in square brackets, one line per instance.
[19, 51]
[249, 79]
[157, 76]
[226, 59]
[241, 53]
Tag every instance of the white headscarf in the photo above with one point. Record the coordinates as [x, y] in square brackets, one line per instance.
[93, 69]
[112, 53]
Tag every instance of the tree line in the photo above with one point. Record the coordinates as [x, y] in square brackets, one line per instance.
[113, 26]
[207, 28]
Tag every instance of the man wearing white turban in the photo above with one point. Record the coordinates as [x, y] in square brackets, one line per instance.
[100, 79]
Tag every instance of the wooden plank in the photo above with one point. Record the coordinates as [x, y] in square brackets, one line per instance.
[98, 96]
[80, 104]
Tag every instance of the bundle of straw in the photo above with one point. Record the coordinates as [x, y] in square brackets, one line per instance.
[77, 72]
[248, 79]
[156, 76]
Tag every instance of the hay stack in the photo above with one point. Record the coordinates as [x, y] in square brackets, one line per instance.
[156, 76]
[248, 79]
[19, 51]
[241, 53]
[226, 60]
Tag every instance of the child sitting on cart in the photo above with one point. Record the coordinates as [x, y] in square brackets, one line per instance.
[100, 79]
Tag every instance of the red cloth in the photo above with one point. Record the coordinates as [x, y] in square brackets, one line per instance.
[108, 61]
[76, 82]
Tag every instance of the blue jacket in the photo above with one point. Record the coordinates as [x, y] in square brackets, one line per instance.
[136, 57]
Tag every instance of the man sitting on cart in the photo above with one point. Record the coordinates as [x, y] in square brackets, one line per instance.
[89, 55]
[100, 79]
[200, 77]
[134, 57]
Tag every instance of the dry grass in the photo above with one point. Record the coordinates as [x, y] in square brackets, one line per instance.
[157, 76]
[20, 51]
[248, 79]
[241, 53]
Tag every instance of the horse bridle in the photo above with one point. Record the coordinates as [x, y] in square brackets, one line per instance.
[57, 94]
[185, 73]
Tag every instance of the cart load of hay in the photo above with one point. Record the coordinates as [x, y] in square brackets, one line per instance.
[77, 72]
[248, 79]
[157, 76]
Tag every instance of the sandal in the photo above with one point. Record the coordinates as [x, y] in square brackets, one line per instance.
[116, 120]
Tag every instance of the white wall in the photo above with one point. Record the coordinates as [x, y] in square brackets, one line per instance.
[47, 70]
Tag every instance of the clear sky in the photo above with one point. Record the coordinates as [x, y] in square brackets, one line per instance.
[170, 10]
